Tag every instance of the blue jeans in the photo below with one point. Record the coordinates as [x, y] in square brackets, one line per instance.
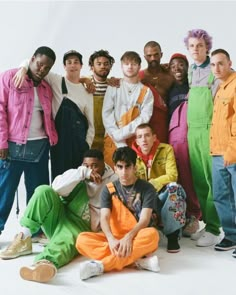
[224, 192]
[173, 211]
[10, 173]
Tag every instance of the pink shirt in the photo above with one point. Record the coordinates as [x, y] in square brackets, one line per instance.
[16, 108]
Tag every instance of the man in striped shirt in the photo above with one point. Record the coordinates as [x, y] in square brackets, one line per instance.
[100, 63]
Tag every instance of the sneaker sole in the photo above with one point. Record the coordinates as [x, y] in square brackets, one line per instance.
[218, 248]
[28, 252]
[41, 273]
[173, 251]
[206, 245]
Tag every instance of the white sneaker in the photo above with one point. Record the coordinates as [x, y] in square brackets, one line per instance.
[149, 263]
[207, 239]
[198, 234]
[90, 269]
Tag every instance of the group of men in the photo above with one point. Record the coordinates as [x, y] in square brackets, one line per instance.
[111, 217]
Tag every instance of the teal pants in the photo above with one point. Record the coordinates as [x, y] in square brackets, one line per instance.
[60, 220]
[201, 166]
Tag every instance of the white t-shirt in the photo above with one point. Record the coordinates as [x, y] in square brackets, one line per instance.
[76, 93]
[37, 130]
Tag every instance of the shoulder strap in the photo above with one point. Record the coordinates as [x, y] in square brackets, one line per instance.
[111, 188]
[209, 81]
[63, 86]
[142, 94]
[211, 78]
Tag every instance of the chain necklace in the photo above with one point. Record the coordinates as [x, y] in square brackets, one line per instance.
[127, 192]
[131, 87]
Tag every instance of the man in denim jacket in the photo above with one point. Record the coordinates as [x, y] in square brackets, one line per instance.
[26, 130]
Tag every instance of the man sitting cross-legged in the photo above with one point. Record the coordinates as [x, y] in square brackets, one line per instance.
[126, 210]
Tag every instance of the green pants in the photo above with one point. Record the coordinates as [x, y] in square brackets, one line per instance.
[199, 115]
[61, 221]
[200, 160]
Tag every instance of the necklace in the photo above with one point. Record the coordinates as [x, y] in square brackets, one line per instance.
[131, 87]
[127, 191]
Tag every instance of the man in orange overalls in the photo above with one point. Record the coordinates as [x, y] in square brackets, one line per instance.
[126, 210]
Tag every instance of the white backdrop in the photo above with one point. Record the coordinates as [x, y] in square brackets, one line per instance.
[113, 25]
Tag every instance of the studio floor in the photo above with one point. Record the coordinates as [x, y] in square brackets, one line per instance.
[194, 270]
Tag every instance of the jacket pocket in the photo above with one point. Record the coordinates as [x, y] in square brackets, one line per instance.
[19, 95]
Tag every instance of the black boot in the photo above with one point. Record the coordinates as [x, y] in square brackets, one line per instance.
[173, 244]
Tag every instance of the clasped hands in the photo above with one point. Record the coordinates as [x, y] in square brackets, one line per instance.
[122, 247]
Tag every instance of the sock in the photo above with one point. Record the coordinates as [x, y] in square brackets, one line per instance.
[26, 232]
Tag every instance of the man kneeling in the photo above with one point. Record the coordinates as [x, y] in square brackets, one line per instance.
[126, 210]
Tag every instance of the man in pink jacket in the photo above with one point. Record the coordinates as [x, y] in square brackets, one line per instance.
[26, 130]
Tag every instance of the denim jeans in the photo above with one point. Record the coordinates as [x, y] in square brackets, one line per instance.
[35, 174]
[173, 200]
[224, 192]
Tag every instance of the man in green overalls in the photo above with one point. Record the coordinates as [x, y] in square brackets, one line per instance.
[199, 115]
[71, 205]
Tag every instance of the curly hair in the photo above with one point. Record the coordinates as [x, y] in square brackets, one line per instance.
[101, 53]
[199, 34]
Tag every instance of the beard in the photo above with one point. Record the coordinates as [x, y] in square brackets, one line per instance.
[102, 75]
[153, 63]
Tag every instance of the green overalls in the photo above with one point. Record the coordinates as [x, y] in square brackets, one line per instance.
[62, 219]
[199, 115]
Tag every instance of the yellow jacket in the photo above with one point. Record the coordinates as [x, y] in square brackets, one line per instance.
[163, 169]
[223, 128]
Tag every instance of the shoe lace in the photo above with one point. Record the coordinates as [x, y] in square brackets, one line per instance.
[14, 243]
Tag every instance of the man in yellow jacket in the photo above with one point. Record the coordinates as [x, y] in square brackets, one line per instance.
[156, 163]
[223, 148]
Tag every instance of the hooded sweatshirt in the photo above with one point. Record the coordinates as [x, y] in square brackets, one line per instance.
[158, 167]
[65, 183]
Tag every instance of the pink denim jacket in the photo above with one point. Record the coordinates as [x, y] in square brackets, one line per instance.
[16, 108]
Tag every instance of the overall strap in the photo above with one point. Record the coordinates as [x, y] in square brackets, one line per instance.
[142, 94]
[210, 80]
[113, 192]
[111, 188]
[63, 86]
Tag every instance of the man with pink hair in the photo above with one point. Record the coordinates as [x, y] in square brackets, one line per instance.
[199, 116]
